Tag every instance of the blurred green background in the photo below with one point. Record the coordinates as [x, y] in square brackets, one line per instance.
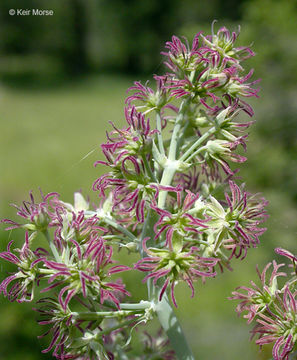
[63, 77]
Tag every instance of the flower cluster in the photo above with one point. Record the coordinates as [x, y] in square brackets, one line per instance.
[175, 264]
[78, 262]
[236, 227]
[169, 195]
[71, 337]
[272, 307]
[38, 215]
[22, 282]
[209, 69]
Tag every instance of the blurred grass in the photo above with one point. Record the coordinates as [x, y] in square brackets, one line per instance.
[46, 135]
[50, 139]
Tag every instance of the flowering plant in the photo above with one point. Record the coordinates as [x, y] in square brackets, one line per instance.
[170, 196]
[272, 307]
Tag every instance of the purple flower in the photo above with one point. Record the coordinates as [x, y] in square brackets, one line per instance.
[178, 222]
[130, 191]
[129, 141]
[61, 323]
[129, 183]
[23, 281]
[235, 105]
[273, 308]
[211, 85]
[74, 225]
[174, 265]
[152, 100]
[237, 225]
[254, 300]
[223, 42]
[180, 56]
[220, 151]
[72, 338]
[278, 325]
[188, 181]
[293, 258]
[84, 271]
[287, 254]
[238, 86]
[209, 70]
[247, 212]
[38, 214]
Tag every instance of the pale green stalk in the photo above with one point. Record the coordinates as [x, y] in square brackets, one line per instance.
[173, 329]
[165, 313]
[170, 168]
[101, 314]
[108, 220]
[197, 143]
[117, 226]
[142, 305]
[159, 134]
[52, 246]
[148, 168]
[195, 153]
[126, 310]
[177, 131]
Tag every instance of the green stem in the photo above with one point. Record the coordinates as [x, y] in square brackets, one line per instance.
[170, 170]
[165, 313]
[126, 310]
[197, 143]
[183, 135]
[148, 229]
[195, 153]
[148, 232]
[167, 178]
[170, 323]
[159, 134]
[45, 271]
[103, 314]
[120, 228]
[176, 131]
[167, 318]
[142, 305]
[148, 168]
[173, 329]
[115, 225]
[52, 246]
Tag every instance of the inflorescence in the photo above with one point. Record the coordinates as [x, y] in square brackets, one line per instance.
[272, 306]
[170, 195]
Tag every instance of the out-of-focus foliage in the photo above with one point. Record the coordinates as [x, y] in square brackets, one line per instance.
[46, 133]
[43, 48]
[273, 26]
[92, 35]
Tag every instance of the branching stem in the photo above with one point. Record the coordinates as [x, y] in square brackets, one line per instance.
[197, 143]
